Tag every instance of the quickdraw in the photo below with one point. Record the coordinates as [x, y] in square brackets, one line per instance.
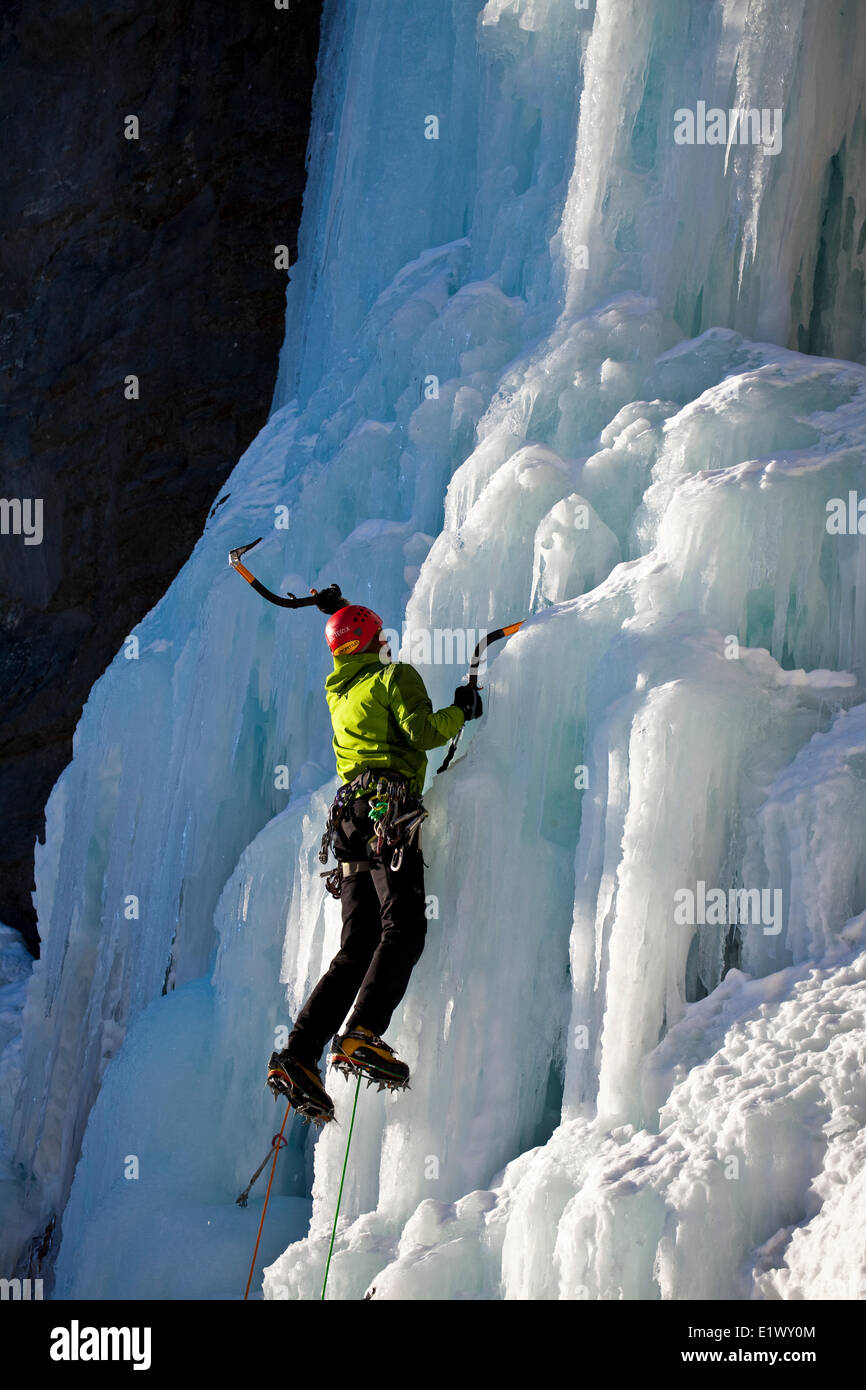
[396, 813]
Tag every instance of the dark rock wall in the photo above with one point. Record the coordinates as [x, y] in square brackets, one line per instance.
[152, 257]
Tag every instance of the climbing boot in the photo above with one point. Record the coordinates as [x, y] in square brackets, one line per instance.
[301, 1085]
[360, 1050]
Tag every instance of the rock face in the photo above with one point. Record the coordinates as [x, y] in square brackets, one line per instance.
[150, 257]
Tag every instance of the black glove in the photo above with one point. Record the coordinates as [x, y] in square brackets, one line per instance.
[468, 698]
[330, 600]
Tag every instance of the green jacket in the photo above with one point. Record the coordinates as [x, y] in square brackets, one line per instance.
[382, 717]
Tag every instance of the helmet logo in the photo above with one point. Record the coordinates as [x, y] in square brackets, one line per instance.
[351, 629]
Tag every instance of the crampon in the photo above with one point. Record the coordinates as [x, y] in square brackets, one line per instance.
[361, 1053]
[301, 1087]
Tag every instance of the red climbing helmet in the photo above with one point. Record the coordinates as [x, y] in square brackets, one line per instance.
[351, 629]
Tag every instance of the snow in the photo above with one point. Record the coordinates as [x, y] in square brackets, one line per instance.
[473, 425]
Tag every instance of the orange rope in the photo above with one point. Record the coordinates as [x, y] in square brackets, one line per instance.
[277, 1147]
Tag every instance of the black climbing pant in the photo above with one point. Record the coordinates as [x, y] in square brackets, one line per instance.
[384, 926]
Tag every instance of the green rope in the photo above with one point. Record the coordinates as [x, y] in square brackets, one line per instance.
[342, 1180]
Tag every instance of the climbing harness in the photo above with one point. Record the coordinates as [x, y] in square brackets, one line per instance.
[396, 812]
[344, 797]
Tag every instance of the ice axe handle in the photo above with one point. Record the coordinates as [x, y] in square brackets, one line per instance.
[495, 636]
[327, 600]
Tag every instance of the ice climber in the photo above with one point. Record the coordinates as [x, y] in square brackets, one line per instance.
[383, 723]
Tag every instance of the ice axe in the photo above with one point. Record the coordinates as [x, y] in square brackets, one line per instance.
[326, 600]
[495, 636]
